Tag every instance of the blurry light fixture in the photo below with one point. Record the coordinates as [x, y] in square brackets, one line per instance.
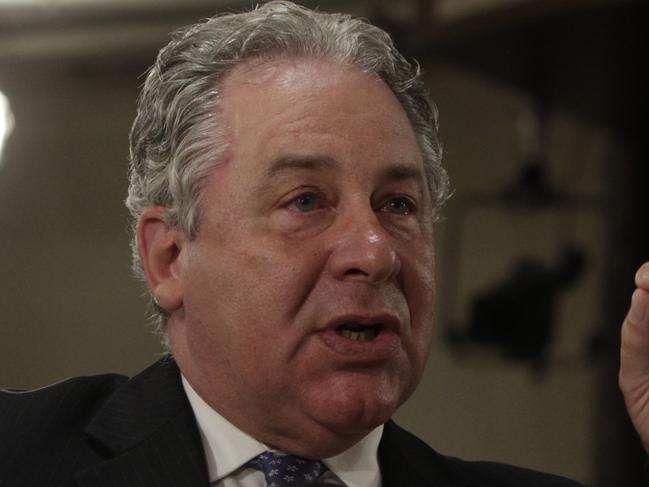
[6, 122]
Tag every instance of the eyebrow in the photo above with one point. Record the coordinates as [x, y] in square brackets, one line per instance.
[310, 163]
[395, 172]
[402, 172]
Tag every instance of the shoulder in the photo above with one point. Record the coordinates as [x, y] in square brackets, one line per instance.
[68, 397]
[501, 475]
[44, 419]
[399, 446]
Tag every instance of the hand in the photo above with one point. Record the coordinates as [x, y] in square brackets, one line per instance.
[634, 356]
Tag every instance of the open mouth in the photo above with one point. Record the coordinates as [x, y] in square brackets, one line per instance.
[358, 332]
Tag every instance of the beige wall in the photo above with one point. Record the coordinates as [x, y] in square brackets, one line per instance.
[69, 304]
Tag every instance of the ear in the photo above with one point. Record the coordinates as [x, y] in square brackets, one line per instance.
[159, 246]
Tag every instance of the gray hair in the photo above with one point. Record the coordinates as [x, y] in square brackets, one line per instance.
[177, 139]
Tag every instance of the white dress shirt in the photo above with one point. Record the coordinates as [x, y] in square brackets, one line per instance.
[227, 449]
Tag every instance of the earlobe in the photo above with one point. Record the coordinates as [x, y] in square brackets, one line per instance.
[159, 246]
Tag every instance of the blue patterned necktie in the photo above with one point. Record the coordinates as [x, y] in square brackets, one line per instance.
[282, 470]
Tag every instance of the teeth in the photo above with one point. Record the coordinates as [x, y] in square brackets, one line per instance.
[361, 336]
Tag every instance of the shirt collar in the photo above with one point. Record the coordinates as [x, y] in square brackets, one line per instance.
[359, 465]
[227, 448]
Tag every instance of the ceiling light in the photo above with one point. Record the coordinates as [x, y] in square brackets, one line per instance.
[6, 122]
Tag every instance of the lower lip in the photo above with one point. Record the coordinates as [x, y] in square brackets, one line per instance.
[379, 349]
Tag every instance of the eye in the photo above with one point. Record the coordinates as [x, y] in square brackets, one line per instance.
[305, 202]
[399, 205]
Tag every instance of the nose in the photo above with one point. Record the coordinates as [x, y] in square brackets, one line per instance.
[364, 251]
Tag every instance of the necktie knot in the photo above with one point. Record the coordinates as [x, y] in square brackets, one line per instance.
[283, 470]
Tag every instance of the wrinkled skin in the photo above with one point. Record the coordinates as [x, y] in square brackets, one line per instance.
[320, 216]
[634, 356]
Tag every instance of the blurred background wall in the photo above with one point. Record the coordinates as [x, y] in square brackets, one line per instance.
[541, 107]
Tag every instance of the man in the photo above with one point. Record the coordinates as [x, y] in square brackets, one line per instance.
[284, 184]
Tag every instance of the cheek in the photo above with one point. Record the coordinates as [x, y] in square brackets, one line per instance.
[420, 293]
[242, 284]
[419, 277]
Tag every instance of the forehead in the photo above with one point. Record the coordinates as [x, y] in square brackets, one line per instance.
[298, 74]
[314, 108]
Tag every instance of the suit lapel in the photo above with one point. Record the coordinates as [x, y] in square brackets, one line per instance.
[147, 435]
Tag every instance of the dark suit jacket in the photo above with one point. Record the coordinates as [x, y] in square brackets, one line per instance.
[110, 431]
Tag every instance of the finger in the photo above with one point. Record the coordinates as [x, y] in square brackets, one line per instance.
[642, 277]
[635, 336]
[634, 363]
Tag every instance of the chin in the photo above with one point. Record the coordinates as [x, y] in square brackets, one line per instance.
[334, 415]
[337, 424]
[356, 408]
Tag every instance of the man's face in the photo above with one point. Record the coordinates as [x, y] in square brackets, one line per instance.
[308, 292]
